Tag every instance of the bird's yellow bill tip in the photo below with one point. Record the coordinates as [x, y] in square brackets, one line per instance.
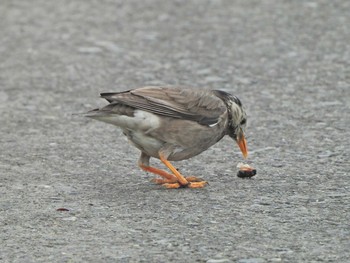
[242, 143]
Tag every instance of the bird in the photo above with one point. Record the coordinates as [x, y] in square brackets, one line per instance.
[173, 123]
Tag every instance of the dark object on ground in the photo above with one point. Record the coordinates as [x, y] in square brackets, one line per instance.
[245, 171]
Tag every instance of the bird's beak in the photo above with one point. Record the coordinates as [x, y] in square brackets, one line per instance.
[242, 143]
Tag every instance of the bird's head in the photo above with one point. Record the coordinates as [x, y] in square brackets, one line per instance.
[237, 120]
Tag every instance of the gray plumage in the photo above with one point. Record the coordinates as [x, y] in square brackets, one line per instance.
[177, 122]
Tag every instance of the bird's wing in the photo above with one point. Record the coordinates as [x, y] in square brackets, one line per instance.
[202, 106]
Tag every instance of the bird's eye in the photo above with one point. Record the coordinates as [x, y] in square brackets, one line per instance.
[243, 121]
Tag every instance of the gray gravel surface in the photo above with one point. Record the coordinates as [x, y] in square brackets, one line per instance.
[288, 61]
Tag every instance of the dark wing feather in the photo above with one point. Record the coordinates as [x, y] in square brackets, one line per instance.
[202, 106]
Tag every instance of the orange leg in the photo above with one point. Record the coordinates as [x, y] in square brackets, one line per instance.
[168, 178]
[182, 180]
[172, 181]
[192, 181]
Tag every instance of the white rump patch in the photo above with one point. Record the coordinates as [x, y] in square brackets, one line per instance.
[141, 121]
[146, 120]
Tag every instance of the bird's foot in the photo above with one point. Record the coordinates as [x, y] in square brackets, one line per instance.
[163, 181]
[200, 184]
[190, 179]
[193, 182]
[194, 179]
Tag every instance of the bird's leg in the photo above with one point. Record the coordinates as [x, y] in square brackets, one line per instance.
[182, 180]
[144, 165]
[168, 178]
[193, 182]
[175, 180]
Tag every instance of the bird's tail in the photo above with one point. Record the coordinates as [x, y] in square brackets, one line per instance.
[90, 113]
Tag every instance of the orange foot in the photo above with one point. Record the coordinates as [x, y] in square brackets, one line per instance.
[174, 180]
[190, 179]
[200, 184]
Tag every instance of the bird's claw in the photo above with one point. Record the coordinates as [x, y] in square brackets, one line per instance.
[193, 182]
[177, 185]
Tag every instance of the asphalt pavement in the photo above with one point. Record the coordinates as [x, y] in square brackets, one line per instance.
[70, 187]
